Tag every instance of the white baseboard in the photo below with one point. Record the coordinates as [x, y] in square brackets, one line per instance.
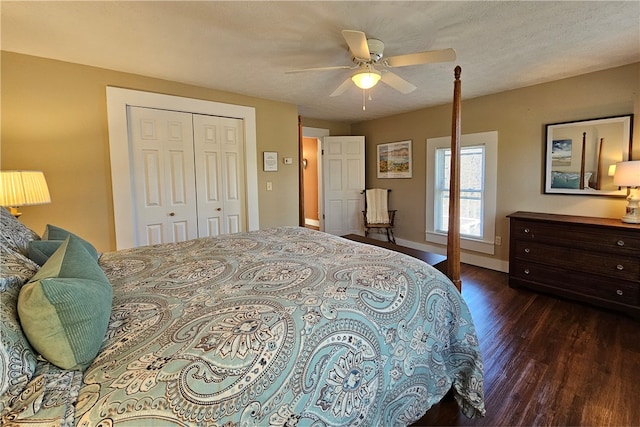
[313, 222]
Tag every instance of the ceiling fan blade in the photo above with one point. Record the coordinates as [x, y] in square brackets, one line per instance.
[303, 70]
[397, 82]
[430, 56]
[342, 88]
[358, 45]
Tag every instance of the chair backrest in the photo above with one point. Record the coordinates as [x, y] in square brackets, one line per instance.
[377, 205]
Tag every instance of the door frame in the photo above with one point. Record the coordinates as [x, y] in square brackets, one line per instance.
[117, 101]
[318, 133]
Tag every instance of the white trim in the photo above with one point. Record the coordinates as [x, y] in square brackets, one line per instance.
[490, 141]
[117, 101]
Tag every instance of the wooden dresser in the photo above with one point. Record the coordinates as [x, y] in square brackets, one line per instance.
[595, 260]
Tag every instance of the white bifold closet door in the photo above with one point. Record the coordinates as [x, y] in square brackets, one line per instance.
[188, 174]
[220, 175]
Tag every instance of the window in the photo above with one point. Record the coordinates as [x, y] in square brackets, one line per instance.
[478, 172]
[471, 190]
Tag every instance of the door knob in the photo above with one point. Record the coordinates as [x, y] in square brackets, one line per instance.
[218, 209]
[172, 214]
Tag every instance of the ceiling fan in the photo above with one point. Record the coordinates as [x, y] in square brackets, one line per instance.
[367, 54]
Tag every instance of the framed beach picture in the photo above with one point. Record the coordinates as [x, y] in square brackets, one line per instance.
[394, 160]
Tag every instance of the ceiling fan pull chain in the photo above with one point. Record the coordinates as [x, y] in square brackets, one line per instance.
[364, 98]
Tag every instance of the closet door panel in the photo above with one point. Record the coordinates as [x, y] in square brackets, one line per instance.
[163, 175]
[219, 154]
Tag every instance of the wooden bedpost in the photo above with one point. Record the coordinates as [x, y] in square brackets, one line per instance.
[582, 161]
[453, 236]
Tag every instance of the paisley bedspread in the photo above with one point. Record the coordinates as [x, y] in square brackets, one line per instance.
[281, 327]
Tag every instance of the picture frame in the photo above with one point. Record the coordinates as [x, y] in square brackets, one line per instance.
[270, 161]
[394, 160]
[580, 156]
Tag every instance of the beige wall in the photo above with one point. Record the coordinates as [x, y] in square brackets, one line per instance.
[335, 128]
[54, 119]
[519, 116]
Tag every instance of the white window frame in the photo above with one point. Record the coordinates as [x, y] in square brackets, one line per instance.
[490, 141]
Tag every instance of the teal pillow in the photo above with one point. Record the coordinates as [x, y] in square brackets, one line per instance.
[65, 308]
[52, 232]
[41, 250]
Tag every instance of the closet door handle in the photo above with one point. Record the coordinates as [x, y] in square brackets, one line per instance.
[172, 214]
[218, 209]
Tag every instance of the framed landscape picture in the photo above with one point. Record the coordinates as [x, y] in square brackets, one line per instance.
[394, 160]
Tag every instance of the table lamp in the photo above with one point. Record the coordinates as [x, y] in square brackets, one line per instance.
[22, 188]
[627, 174]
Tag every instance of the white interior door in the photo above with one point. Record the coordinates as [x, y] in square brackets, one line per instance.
[343, 175]
[164, 178]
[219, 163]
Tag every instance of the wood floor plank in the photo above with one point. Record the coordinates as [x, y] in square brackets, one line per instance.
[548, 361]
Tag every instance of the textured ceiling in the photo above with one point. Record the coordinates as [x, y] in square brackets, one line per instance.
[246, 47]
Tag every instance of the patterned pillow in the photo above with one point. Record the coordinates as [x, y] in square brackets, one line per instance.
[65, 307]
[15, 235]
[17, 358]
[15, 268]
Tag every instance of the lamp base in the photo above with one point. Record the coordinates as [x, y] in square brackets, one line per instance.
[14, 211]
[633, 209]
[631, 219]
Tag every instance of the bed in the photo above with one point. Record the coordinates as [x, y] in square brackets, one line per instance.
[278, 327]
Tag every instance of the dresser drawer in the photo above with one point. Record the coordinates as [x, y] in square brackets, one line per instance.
[594, 260]
[624, 292]
[619, 291]
[601, 239]
[572, 259]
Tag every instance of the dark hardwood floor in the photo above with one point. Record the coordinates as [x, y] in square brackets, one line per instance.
[548, 361]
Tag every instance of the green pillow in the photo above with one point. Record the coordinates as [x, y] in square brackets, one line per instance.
[41, 250]
[65, 308]
[52, 232]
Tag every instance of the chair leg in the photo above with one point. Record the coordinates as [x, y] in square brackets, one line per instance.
[366, 232]
[390, 236]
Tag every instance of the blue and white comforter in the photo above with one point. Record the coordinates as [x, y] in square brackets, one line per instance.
[287, 326]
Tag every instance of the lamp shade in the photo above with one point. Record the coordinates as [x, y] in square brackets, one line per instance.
[23, 188]
[627, 174]
[366, 79]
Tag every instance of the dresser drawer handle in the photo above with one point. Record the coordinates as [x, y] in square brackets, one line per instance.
[527, 250]
[526, 271]
[526, 230]
[620, 267]
[619, 292]
[620, 242]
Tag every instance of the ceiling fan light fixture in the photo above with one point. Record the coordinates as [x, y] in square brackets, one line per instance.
[366, 79]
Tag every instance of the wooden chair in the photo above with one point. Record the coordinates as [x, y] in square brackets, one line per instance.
[377, 214]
